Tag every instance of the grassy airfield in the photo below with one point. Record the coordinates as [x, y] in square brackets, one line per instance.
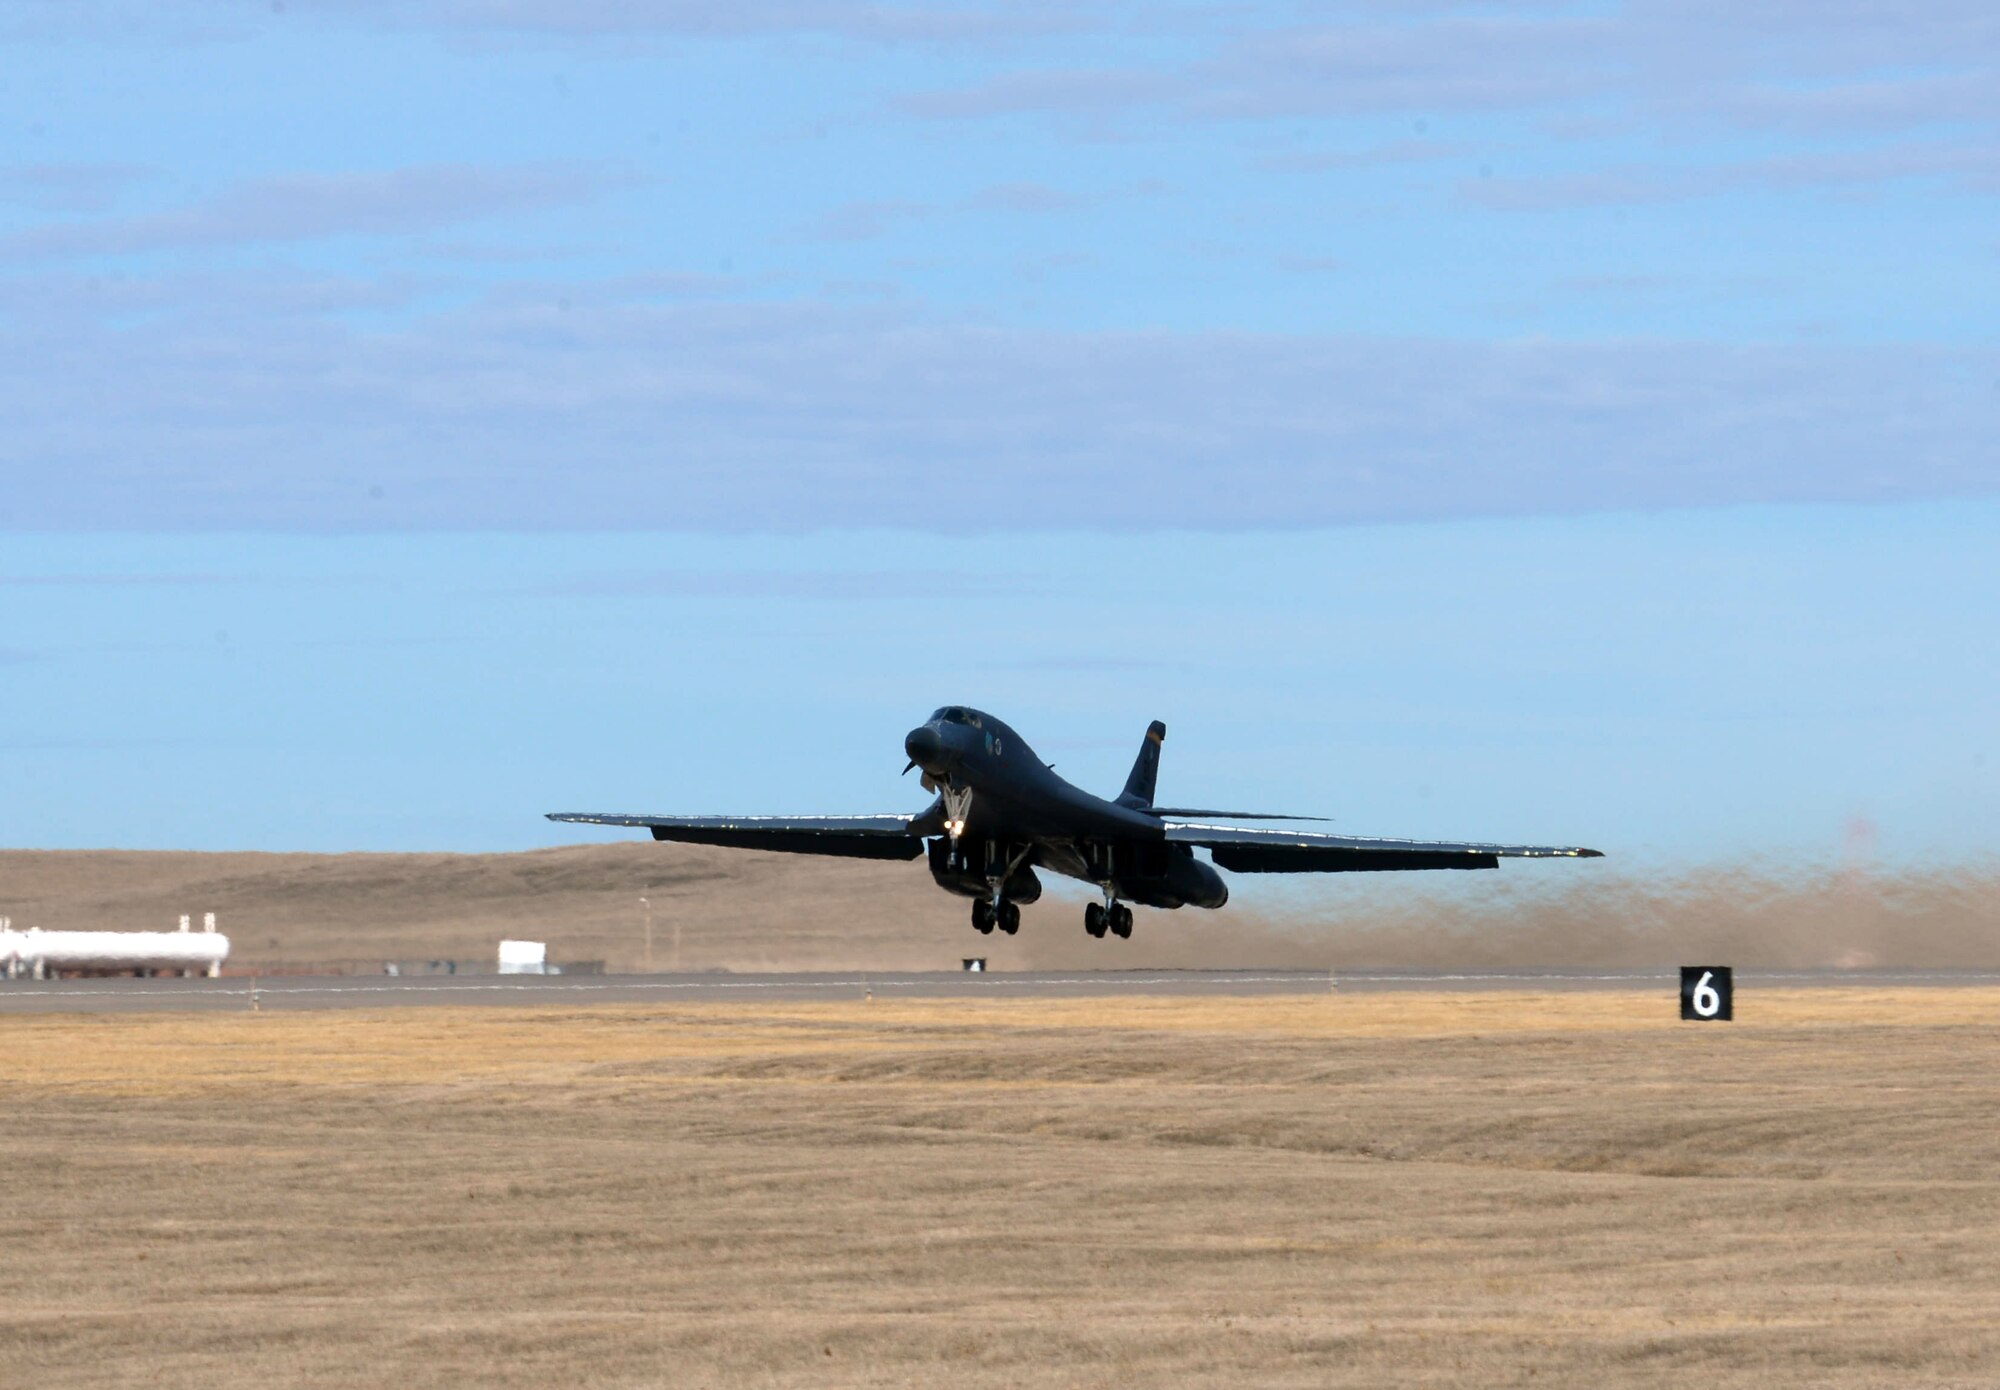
[1420, 1190]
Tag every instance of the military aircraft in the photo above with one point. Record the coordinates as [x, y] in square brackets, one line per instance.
[1001, 813]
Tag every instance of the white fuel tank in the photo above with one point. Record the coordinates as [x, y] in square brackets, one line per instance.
[36, 952]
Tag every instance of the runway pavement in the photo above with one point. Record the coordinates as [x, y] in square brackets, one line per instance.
[382, 991]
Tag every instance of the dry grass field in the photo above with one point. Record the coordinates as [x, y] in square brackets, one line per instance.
[1382, 1190]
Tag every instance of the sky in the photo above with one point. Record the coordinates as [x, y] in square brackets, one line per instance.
[1567, 422]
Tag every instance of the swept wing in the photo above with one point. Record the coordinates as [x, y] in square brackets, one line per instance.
[849, 837]
[1247, 851]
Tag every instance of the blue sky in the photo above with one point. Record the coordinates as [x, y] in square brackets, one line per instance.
[1583, 412]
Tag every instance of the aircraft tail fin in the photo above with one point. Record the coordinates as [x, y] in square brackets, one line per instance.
[1146, 771]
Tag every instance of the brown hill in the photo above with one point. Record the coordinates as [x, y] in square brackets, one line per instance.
[723, 909]
[728, 910]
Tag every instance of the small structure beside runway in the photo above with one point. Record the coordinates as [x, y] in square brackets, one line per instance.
[524, 958]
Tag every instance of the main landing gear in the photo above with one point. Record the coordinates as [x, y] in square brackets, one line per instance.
[995, 910]
[1004, 915]
[1116, 918]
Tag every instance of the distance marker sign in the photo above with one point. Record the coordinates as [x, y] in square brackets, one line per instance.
[1708, 994]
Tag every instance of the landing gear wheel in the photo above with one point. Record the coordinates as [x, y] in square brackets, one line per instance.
[1010, 918]
[1093, 918]
[982, 917]
[1121, 921]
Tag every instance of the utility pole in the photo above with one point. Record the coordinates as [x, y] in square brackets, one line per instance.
[647, 904]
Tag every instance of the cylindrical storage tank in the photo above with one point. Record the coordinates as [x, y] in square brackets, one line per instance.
[41, 951]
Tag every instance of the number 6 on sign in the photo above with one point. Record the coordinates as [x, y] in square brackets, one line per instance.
[1708, 993]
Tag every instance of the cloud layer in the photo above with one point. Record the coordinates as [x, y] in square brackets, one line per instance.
[626, 406]
[1831, 66]
[977, 266]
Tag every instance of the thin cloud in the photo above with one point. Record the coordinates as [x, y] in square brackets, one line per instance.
[1024, 198]
[1433, 64]
[122, 581]
[1046, 91]
[311, 207]
[261, 293]
[1815, 67]
[1974, 170]
[853, 19]
[1393, 152]
[68, 188]
[864, 220]
[1864, 103]
[826, 586]
[1089, 665]
[1451, 63]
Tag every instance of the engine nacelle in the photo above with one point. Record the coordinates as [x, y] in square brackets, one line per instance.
[1167, 875]
[1196, 883]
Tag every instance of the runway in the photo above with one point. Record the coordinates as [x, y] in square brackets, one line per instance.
[371, 991]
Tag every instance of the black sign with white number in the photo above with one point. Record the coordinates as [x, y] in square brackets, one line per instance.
[1708, 993]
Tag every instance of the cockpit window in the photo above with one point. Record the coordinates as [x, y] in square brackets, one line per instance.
[954, 714]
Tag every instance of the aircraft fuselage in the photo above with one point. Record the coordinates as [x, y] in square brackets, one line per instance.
[1002, 812]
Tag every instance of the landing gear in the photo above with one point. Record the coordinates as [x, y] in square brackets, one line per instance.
[988, 915]
[957, 806]
[1116, 918]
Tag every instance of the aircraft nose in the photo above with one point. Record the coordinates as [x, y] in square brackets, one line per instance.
[925, 747]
